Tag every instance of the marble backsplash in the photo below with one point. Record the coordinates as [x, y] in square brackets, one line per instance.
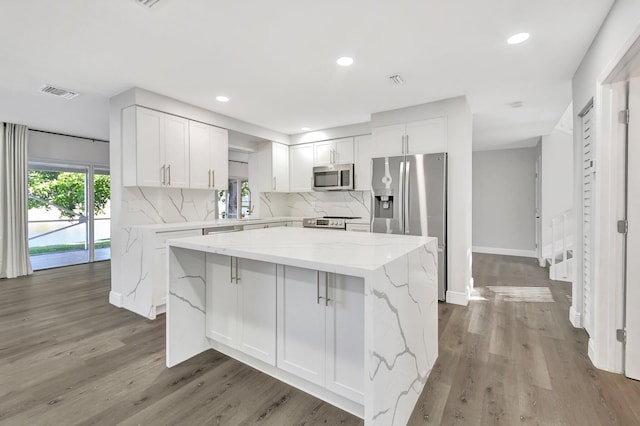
[312, 204]
[142, 206]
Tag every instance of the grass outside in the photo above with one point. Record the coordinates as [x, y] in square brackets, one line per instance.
[59, 248]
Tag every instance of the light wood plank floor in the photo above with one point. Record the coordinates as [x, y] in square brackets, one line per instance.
[68, 357]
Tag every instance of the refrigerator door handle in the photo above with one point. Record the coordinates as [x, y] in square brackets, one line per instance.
[407, 195]
[401, 211]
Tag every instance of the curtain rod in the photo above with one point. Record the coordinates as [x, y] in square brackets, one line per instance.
[70, 136]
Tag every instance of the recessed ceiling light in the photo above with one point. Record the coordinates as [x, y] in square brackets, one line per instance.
[222, 99]
[305, 129]
[518, 38]
[345, 61]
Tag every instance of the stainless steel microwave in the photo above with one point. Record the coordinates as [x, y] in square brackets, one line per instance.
[334, 177]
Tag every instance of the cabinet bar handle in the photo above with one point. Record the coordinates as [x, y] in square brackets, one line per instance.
[209, 178]
[169, 169]
[326, 289]
[318, 287]
[213, 178]
[274, 183]
[231, 269]
[237, 277]
[163, 174]
[407, 144]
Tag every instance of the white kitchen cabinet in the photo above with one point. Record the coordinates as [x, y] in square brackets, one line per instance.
[358, 227]
[273, 167]
[208, 156]
[321, 329]
[301, 167]
[263, 225]
[364, 152]
[241, 305]
[335, 151]
[417, 137]
[155, 148]
[345, 337]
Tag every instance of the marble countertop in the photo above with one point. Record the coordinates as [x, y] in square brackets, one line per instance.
[340, 252]
[180, 226]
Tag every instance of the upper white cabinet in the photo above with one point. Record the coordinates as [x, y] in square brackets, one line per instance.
[272, 166]
[301, 167]
[336, 151]
[208, 154]
[164, 150]
[417, 137]
[364, 152]
[155, 148]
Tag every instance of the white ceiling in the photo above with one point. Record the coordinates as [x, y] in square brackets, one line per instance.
[276, 59]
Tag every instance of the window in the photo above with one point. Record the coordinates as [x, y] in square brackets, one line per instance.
[238, 195]
[69, 215]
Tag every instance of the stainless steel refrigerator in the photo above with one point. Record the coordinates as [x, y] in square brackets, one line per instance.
[409, 196]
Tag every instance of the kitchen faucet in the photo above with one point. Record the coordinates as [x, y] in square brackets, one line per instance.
[250, 209]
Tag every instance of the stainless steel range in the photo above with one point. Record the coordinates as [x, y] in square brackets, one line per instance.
[328, 222]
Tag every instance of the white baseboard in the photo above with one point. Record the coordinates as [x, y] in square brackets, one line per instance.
[457, 298]
[505, 252]
[575, 317]
[115, 299]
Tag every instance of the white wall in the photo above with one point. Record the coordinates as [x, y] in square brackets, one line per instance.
[556, 179]
[459, 225]
[620, 29]
[503, 201]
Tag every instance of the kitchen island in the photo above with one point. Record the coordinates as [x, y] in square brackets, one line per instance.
[350, 318]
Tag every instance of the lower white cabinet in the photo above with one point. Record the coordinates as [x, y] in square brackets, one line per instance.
[241, 305]
[321, 329]
[264, 225]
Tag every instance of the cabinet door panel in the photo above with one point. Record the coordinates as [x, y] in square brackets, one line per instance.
[150, 154]
[200, 147]
[257, 309]
[345, 337]
[322, 153]
[221, 294]
[301, 325]
[281, 167]
[388, 140]
[300, 167]
[176, 143]
[343, 151]
[364, 151]
[427, 136]
[219, 157]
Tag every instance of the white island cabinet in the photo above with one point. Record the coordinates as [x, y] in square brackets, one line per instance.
[350, 318]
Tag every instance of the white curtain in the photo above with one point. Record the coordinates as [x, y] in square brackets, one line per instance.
[14, 233]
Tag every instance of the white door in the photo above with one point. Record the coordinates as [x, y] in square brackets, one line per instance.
[322, 153]
[221, 295]
[301, 324]
[343, 151]
[149, 151]
[301, 167]
[176, 148]
[364, 149]
[632, 347]
[219, 157]
[426, 136]
[388, 140]
[199, 154]
[257, 309]
[280, 167]
[588, 193]
[345, 337]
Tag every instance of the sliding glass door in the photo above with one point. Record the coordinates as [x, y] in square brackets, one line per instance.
[68, 215]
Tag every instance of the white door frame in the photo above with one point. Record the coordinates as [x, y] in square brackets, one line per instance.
[608, 282]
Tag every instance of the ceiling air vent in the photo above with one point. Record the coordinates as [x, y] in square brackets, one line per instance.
[63, 93]
[147, 3]
[396, 79]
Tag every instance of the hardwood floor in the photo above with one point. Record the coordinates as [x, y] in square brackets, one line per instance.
[68, 357]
